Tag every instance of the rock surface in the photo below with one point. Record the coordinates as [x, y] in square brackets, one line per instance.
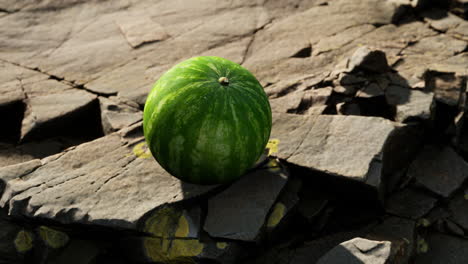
[358, 250]
[367, 156]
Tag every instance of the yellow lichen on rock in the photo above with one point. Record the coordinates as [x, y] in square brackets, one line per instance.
[183, 227]
[185, 248]
[170, 244]
[53, 238]
[276, 215]
[221, 245]
[141, 150]
[162, 223]
[272, 146]
[23, 241]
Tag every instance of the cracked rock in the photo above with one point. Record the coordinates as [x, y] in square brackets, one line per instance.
[174, 234]
[48, 111]
[443, 249]
[439, 169]
[369, 60]
[418, 105]
[458, 207]
[447, 87]
[116, 114]
[232, 213]
[96, 184]
[410, 203]
[346, 146]
[401, 233]
[358, 250]
[139, 29]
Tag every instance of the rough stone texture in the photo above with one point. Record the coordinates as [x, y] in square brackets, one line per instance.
[74, 75]
[411, 104]
[110, 192]
[401, 233]
[369, 60]
[439, 169]
[117, 114]
[240, 211]
[358, 250]
[310, 101]
[444, 249]
[13, 154]
[323, 142]
[447, 87]
[313, 250]
[459, 213]
[410, 203]
[43, 111]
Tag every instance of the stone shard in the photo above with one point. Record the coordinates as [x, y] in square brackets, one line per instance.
[410, 203]
[313, 250]
[240, 211]
[447, 87]
[12, 172]
[368, 60]
[439, 169]
[300, 102]
[419, 105]
[11, 81]
[139, 29]
[323, 142]
[13, 154]
[281, 211]
[112, 182]
[401, 233]
[43, 111]
[458, 207]
[117, 114]
[358, 251]
[443, 249]
[173, 233]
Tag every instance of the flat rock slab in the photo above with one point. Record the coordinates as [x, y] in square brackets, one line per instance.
[107, 182]
[345, 146]
[418, 105]
[240, 211]
[459, 206]
[358, 251]
[43, 110]
[399, 231]
[410, 203]
[117, 114]
[139, 29]
[439, 169]
[444, 249]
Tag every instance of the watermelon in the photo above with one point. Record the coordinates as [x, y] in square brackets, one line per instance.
[207, 120]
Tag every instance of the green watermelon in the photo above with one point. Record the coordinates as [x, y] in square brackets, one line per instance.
[207, 120]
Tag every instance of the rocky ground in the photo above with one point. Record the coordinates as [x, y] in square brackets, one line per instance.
[366, 162]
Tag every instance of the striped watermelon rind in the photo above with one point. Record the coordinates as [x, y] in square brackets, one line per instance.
[202, 128]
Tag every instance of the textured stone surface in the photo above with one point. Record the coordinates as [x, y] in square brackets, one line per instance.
[107, 182]
[439, 169]
[340, 75]
[370, 60]
[240, 211]
[44, 111]
[117, 114]
[401, 233]
[410, 203]
[339, 145]
[444, 249]
[458, 206]
[358, 250]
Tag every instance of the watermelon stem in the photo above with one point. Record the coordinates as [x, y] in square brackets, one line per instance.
[223, 80]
